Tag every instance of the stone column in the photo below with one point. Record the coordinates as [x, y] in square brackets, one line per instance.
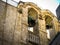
[20, 33]
[55, 24]
[42, 32]
[24, 25]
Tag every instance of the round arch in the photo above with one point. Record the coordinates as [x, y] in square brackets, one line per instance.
[49, 22]
[29, 5]
[32, 5]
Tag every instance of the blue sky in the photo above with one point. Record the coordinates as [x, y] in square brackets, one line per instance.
[44, 4]
[58, 1]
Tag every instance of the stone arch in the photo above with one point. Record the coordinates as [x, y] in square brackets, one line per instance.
[49, 23]
[48, 14]
[26, 6]
[48, 20]
[32, 5]
[29, 5]
[33, 15]
[36, 8]
[50, 29]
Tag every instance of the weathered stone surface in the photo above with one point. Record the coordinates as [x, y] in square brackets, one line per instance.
[14, 25]
[43, 38]
[6, 43]
[0, 41]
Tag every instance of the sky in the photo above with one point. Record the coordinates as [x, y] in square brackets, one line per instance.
[43, 4]
[58, 1]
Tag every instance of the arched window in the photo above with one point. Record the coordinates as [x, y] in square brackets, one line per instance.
[49, 26]
[32, 18]
[33, 32]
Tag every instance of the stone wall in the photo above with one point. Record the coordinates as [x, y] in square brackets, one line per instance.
[13, 25]
[2, 20]
[10, 23]
[42, 32]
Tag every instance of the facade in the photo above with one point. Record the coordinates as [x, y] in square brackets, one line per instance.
[26, 24]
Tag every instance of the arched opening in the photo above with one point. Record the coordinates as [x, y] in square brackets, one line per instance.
[33, 27]
[49, 23]
[49, 26]
[32, 20]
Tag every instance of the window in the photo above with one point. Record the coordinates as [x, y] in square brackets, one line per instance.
[31, 23]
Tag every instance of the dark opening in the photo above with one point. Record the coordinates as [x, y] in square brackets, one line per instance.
[20, 11]
[48, 26]
[31, 22]
[33, 43]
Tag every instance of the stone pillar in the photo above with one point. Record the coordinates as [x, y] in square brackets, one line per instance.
[55, 24]
[24, 25]
[17, 31]
[20, 33]
[42, 32]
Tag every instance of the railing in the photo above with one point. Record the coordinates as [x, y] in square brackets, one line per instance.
[33, 38]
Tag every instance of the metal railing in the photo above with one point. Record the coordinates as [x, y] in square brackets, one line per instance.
[33, 37]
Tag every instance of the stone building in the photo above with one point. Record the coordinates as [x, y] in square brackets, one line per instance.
[26, 24]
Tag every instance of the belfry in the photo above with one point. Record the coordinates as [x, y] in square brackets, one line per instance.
[26, 24]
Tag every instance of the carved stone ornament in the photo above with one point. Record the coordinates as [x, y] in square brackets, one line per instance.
[40, 16]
